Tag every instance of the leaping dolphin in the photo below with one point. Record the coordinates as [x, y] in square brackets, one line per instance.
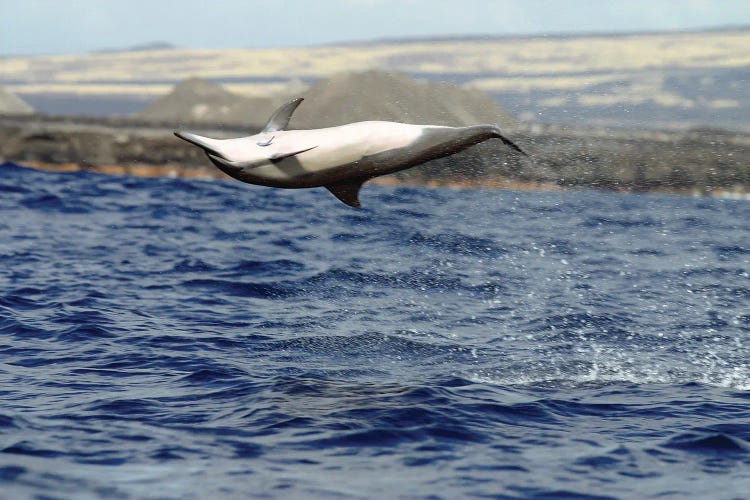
[339, 158]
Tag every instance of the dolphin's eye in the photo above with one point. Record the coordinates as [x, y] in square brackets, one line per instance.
[266, 143]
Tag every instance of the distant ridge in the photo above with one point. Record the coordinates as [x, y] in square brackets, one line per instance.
[493, 37]
[139, 48]
[674, 80]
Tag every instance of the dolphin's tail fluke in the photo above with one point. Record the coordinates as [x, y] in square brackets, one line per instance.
[512, 145]
[206, 143]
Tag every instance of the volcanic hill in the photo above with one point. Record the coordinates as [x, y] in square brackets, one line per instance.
[199, 101]
[393, 96]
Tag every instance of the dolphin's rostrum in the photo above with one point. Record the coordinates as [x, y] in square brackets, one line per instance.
[339, 158]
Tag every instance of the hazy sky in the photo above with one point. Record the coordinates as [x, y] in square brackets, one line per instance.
[74, 26]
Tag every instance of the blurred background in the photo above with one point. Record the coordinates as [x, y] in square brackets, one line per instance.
[630, 63]
[655, 65]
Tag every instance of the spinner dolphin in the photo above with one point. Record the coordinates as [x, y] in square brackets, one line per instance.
[339, 158]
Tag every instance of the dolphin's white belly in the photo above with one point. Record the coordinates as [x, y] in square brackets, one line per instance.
[326, 147]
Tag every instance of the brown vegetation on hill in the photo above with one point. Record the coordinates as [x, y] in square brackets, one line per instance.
[645, 80]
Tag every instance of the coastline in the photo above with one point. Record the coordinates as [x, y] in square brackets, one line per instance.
[687, 162]
[209, 173]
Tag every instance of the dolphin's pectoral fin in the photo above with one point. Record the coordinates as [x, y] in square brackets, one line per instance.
[347, 191]
[277, 157]
[247, 165]
[280, 119]
[235, 165]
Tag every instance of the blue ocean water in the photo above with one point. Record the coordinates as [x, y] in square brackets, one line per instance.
[164, 338]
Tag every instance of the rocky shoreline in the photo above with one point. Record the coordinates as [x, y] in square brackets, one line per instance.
[699, 161]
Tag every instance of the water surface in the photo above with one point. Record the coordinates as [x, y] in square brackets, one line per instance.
[163, 338]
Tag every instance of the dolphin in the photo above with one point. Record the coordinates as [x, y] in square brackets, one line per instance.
[341, 158]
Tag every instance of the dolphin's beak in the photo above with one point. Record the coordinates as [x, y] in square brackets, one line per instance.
[200, 141]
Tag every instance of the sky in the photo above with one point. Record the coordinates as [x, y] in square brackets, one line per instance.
[31, 27]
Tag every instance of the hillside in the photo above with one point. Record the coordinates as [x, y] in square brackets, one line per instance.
[342, 98]
[380, 95]
[198, 101]
[651, 80]
[677, 161]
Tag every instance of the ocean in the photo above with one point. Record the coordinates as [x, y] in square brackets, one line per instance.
[168, 338]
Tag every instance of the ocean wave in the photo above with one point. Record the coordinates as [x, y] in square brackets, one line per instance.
[224, 340]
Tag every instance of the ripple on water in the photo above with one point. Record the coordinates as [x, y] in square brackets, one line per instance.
[224, 340]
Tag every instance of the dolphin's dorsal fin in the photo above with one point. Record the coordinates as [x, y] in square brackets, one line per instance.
[347, 191]
[280, 119]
